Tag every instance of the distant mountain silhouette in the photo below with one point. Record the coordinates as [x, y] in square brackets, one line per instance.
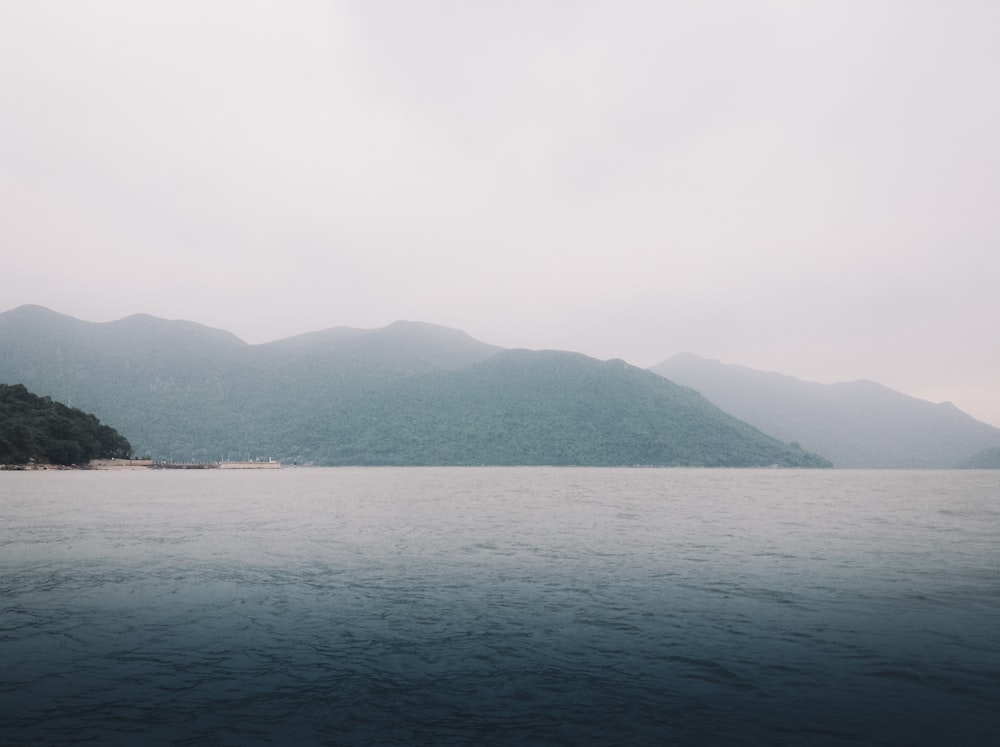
[410, 393]
[854, 424]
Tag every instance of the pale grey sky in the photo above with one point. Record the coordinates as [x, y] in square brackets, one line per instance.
[805, 187]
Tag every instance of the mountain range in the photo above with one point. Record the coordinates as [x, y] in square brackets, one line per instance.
[410, 393]
[856, 424]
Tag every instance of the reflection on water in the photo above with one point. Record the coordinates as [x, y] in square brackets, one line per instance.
[498, 606]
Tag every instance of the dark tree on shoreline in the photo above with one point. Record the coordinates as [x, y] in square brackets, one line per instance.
[39, 429]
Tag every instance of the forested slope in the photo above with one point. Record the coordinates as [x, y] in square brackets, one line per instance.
[38, 429]
[410, 393]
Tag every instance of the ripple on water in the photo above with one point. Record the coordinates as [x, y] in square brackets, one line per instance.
[491, 607]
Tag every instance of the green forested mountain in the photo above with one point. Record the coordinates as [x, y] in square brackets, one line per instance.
[985, 459]
[37, 429]
[408, 394]
[545, 407]
[858, 424]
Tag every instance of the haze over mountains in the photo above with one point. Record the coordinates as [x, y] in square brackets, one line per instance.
[409, 393]
[416, 393]
[854, 424]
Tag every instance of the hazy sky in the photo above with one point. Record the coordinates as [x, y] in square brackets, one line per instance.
[806, 187]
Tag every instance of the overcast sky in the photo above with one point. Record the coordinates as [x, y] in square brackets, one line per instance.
[804, 187]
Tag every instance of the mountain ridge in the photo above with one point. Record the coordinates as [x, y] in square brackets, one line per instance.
[856, 424]
[407, 393]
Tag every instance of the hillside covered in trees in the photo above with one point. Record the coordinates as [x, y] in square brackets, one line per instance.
[985, 459]
[407, 394]
[38, 429]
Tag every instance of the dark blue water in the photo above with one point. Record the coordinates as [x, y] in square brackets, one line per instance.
[500, 606]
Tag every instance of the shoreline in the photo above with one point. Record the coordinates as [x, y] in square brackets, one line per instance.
[137, 464]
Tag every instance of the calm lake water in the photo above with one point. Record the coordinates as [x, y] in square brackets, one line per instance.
[500, 606]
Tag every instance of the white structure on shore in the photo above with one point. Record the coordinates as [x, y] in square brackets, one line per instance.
[269, 464]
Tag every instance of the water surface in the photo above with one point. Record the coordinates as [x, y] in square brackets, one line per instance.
[500, 606]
